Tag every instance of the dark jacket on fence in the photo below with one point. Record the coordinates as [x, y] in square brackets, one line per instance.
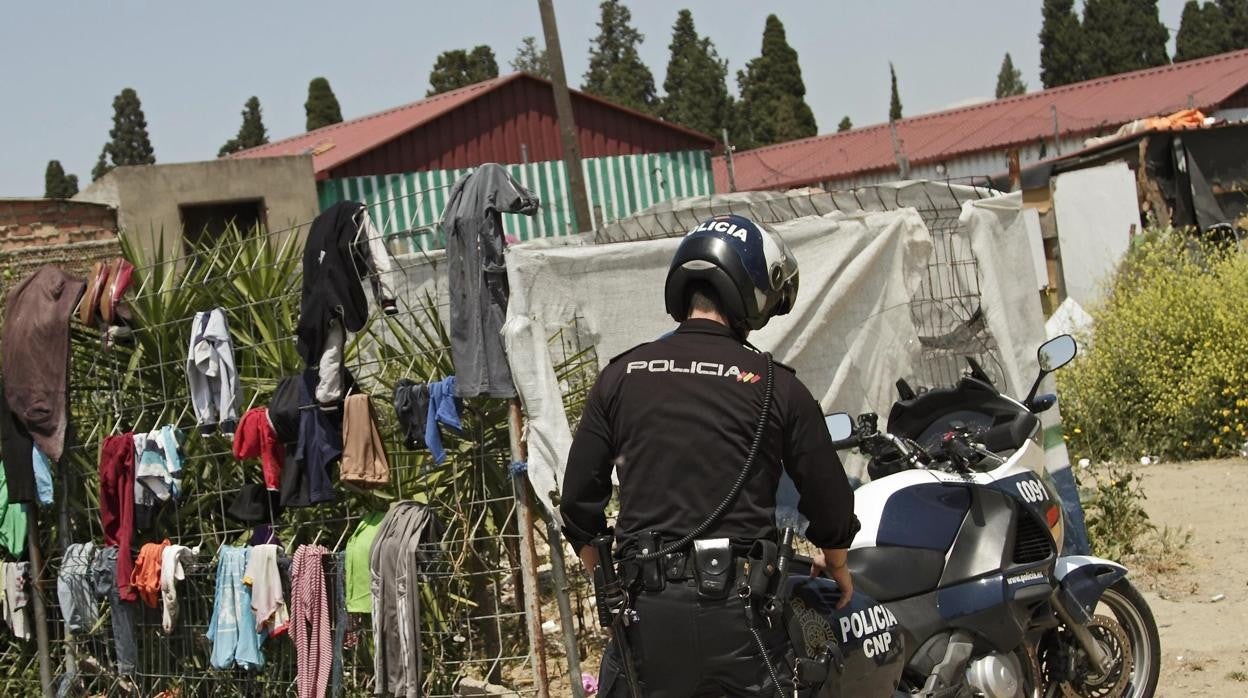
[34, 349]
[477, 274]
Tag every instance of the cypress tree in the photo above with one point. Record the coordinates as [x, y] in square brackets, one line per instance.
[101, 165]
[845, 124]
[773, 105]
[615, 70]
[459, 68]
[129, 143]
[1203, 31]
[696, 81]
[531, 59]
[1061, 44]
[1010, 79]
[251, 133]
[894, 101]
[1235, 14]
[56, 184]
[1121, 36]
[322, 106]
[1148, 35]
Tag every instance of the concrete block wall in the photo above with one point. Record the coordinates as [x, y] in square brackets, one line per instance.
[69, 234]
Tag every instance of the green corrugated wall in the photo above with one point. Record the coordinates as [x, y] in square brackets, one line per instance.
[409, 205]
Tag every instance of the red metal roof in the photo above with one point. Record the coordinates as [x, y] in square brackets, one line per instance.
[1082, 108]
[503, 110]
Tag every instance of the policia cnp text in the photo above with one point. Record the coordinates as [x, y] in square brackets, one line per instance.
[697, 426]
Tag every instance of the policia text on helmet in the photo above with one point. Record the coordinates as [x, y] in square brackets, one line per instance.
[697, 426]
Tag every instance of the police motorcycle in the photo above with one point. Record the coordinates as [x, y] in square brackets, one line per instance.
[960, 587]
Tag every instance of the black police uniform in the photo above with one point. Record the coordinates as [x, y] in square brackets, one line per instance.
[676, 418]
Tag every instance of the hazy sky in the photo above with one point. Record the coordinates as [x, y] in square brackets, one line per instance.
[194, 64]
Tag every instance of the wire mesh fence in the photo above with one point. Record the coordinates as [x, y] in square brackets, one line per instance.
[472, 625]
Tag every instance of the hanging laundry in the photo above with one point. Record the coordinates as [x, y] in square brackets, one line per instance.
[254, 504]
[403, 541]
[157, 472]
[12, 521]
[263, 534]
[255, 438]
[364, 459]
[146, 576]
[473, 225]
[211, 374]
[117, 505]
[358, 585]
[320, 444]
[74, 590]
[421, 408]
[174, 560]
[104, 303]
[17, 449]
[34, 354]
[104, 581]
[16, 597]
[411, 406]
[232, 628]
[284, 413]
[112, 306]
[309, 626]
[267, 600]
[43, 476]
[343, 247]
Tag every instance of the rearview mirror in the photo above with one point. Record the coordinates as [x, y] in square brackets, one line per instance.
[1056, 353]
[840, 426]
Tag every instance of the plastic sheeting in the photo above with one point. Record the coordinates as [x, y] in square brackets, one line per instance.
[849, 338]
[1097, 212]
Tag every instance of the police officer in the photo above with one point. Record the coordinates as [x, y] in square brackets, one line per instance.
[677, 420]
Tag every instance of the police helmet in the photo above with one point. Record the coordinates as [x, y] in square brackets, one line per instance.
[753, 271]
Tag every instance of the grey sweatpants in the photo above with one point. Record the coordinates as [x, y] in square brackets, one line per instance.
[104, 576]
[74, 589]
[394, 570]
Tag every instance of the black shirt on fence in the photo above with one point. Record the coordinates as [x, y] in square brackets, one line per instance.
[675, 418]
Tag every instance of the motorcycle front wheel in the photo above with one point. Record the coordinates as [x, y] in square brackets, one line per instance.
[1124, 627]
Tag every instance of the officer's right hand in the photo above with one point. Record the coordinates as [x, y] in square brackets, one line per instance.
[834, 562]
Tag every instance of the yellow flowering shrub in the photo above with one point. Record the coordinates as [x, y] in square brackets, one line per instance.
[1166, 369]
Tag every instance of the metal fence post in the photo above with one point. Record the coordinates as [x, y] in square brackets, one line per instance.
[36, 598]
[560, 574]
[528, 552]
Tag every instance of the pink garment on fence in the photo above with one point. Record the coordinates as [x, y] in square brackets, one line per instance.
[309, 623]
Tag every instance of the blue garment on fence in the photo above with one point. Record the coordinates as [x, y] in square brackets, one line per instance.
[444, 408]
[43, 476]
[232, 629]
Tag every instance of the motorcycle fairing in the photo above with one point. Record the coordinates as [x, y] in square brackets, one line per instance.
[923, 516]
[1082, 579]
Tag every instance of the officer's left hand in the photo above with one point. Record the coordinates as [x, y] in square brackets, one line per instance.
[589, 558]
[834, 562]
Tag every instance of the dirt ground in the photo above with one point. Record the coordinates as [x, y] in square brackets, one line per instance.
[1204, 643]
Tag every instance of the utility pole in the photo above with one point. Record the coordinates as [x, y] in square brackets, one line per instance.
[899, 153]
[732, 174]
[1057, 135]
[567, 123]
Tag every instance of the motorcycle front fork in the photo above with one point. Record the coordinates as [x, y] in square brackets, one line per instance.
[1096, 653]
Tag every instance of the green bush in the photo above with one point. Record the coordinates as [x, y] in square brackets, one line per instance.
[1166, 370]
[1117, 522]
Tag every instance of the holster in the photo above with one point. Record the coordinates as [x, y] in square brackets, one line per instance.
[714, 567]
[653, 576]
[762, 558]
[609, 593]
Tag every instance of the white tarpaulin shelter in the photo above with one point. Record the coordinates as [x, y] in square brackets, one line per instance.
[851, 335]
